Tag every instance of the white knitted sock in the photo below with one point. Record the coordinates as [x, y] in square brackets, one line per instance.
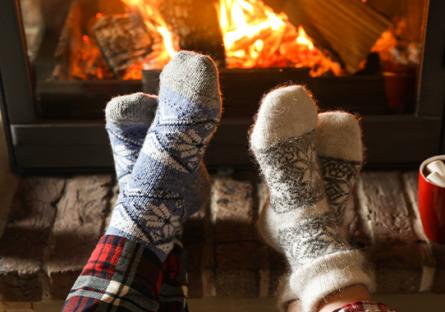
[340, 154]
[299, 219]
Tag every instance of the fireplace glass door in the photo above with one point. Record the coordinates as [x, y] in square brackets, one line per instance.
[362, 56]
[376, 58]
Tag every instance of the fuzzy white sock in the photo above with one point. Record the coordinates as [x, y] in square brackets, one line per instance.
[299, 219]
[340, 153]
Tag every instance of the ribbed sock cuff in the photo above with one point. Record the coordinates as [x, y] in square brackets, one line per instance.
[316, 280]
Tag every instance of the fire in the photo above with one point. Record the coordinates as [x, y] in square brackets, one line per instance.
[256, 37]
[304, 40]
[155, 24]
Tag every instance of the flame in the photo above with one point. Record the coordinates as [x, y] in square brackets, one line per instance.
[395, 51]
[155, 23]
[255, 36]
[303, 39]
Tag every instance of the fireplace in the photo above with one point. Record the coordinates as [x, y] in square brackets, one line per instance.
[61, 61]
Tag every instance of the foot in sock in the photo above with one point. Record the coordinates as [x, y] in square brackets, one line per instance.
[128, 118]
[299, 220]
[340, 153]
[154, 201]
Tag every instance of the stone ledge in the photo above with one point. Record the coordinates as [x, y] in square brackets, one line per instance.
[56, 221]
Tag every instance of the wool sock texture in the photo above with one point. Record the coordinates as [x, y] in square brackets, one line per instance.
[128, 119]
[340, 153]
[153, 203]
[299, 218]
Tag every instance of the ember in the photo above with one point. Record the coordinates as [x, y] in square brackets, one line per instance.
[118, 41]
[257, 37]
[155, 24]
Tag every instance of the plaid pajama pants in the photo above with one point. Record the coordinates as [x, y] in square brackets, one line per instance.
[123, 275]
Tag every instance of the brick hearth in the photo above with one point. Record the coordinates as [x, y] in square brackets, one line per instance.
[56, 221]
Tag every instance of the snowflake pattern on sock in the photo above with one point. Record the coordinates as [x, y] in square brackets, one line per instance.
[339, 176]
[153, 207]
[310, 239]
[186, 146]
[292, 173]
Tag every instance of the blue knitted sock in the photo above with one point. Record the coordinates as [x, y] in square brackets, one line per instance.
[128, 118]
[155, 200]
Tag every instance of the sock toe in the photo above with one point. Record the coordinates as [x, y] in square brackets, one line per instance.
[189, 88]
[137, 107]
[284, 113]
[339, 136]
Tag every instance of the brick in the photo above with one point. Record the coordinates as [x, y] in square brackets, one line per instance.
[385, 209]
[23, 244]
[237, 283]
[238, 256]
[77, 228]
[410, 181]
[399, 269]
[232, 210]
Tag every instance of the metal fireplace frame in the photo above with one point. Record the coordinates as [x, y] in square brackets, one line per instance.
[38, 144]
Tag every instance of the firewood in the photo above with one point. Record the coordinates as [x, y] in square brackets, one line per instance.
[77, 55]
[195, 22]
[347, 27]
[123, 40]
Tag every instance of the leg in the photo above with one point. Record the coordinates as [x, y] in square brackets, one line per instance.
[128, 119]
[299, 220]
[125, 270]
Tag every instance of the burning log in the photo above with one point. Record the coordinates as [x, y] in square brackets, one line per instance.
[124, 41]
[257, 37]
[76, 54]
[348, 27]
[196, 25]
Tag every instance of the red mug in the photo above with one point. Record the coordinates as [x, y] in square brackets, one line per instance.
[432, 204]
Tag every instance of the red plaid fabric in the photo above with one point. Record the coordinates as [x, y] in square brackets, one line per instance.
[172, 295]
[364, 306]
[123, 275]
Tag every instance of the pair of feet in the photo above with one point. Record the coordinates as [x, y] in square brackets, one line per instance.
[309, 163]
[158, 144]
